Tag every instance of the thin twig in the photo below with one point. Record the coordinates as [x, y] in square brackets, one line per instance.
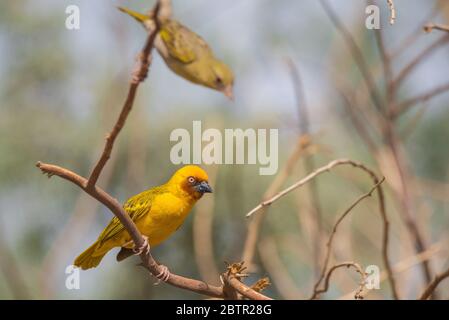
[357, 54]
[415, 35]
[373, 176]
[309, 162]
[316, 291]
[139, 75]
[89, 185]
[407, 104]
[113, 205]
[404, 265]
[232, 278]
[400, 79]
[348, 264]
[431, 26]
[433, 285]
[303, 181]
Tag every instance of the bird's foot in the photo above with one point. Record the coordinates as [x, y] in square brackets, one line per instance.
[145, 247]
[163, 275]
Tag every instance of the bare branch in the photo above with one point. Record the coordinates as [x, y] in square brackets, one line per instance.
[357, 54]
[349, 264]
[406, 105]
[316, 291]
[303, 181]
[309, 162]
[139, 75]
[431, 26]
[112, 204]
[232, 277]
[417, 60]
[433, 285]
[89, 185]
[373, 176]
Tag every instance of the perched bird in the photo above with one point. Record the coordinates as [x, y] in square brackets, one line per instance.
[157, 213]
[187, 54]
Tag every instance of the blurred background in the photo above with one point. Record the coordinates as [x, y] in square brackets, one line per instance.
[61, 91]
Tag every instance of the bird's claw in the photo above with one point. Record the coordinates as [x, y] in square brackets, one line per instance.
[163, 275]
[145, 247]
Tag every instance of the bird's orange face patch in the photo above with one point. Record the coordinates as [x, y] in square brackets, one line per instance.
[193, 180]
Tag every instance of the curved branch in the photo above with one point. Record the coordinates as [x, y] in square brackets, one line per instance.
[433, 285]
[331, 238]
[383, 213]
[89, 185]
[356, 266]
[112, 204]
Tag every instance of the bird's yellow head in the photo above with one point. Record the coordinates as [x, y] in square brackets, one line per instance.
[191, 180]
[222, 78]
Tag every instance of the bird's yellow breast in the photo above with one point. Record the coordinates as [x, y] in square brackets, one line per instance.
[167, 213]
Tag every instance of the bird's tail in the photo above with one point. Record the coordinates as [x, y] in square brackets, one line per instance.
[90, 258]
[140, 17]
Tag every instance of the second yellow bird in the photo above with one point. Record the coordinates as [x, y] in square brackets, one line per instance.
[157, 213]
[187, 54]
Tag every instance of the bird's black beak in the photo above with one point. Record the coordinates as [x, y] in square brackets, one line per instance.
[203, 187]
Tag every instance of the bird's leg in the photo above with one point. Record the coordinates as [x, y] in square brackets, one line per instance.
[145, 247]
[164, 275]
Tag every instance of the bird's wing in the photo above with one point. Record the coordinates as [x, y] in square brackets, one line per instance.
[182, 44]
[137, 207]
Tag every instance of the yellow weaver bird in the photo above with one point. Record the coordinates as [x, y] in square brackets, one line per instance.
[187, 54]
[157, 213]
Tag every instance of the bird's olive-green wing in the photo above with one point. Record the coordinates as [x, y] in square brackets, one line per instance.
[182, 44]
[137, 207]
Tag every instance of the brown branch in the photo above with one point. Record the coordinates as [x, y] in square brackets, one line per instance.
[349, 264]
[113, 205]
[387, 65]
[356, 53]
[358, 120]
[431, 26]
[232, 278]
[433, 285]
[139, 75]
[405, 264]
[89, 185]
[333, 233]
[399, 80]
[390, 139]
[309, 162]
[303, 181]
[415, 35]
[406, 105]
[73, 230]
[373, 176]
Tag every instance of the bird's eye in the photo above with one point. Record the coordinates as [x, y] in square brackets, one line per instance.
[191, 180]
[218, 80]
